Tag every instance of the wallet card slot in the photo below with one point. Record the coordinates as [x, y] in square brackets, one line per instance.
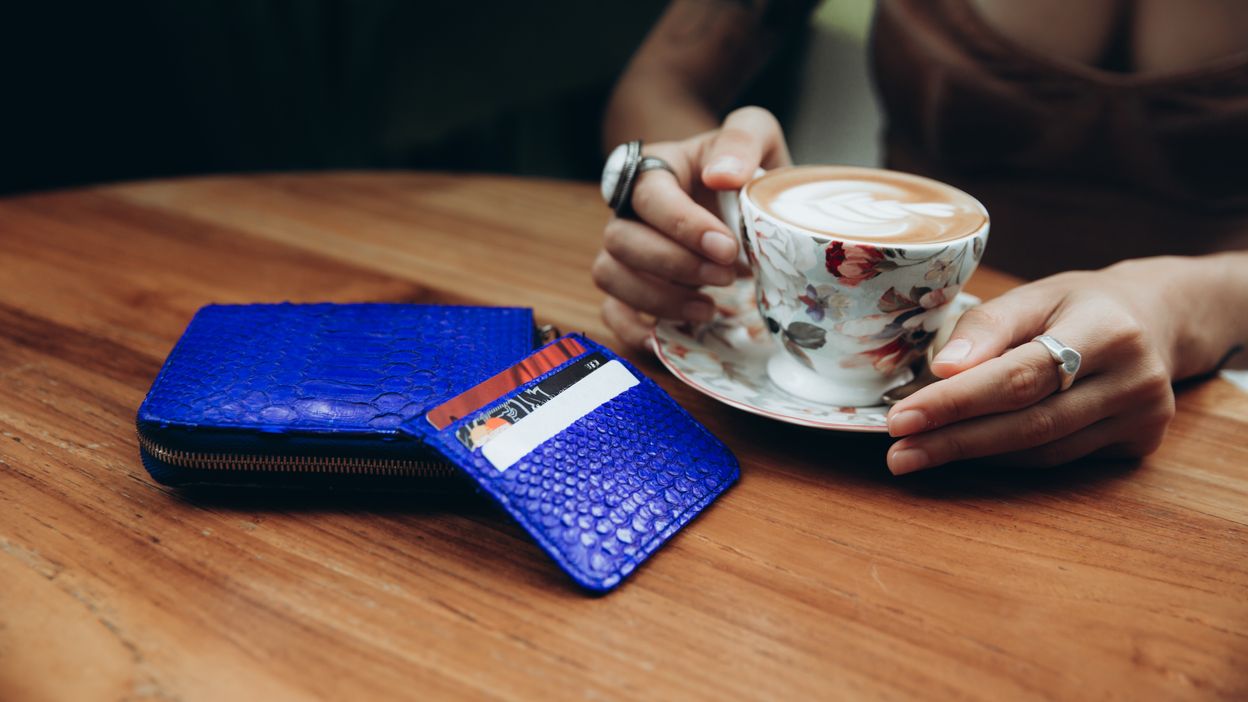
[560, 412]
[539, 363]
[605, 476]
[520, 398]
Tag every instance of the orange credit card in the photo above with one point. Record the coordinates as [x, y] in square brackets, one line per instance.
[487, 391]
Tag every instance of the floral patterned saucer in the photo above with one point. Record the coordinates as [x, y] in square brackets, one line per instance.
[727, 359]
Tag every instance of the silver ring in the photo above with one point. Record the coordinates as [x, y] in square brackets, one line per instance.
[654, 163]
[621, 171]
[1068, 359]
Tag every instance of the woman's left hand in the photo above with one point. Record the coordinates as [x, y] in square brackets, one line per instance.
[999, 394]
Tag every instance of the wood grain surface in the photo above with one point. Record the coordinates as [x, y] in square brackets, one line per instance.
[819, 576]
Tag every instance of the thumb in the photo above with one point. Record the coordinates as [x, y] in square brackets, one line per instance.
[989, 330]
[750, 138]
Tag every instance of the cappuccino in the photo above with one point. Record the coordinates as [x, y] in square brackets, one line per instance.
[870, 205]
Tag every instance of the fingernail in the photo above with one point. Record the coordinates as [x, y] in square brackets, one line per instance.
[719, 246]
[906, 422]
[698, 311]
[955, 351]
[726, 164]
[715, 274]
[907, 461]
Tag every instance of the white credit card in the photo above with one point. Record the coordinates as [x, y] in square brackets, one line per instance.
[559, 413]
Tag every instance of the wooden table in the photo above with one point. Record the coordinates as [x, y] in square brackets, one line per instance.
[818, 576]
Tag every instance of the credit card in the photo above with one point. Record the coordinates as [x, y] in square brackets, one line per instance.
[557, 414]
[486, 391]
[487, 424]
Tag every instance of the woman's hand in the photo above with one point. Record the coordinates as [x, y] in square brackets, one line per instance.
[654, 265]
[1000, 398]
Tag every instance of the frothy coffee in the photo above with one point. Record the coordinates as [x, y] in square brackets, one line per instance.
[867, 204]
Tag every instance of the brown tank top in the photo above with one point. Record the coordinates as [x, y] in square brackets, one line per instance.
[1079, 167]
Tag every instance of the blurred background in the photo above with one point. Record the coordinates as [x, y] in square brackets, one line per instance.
[99, 92]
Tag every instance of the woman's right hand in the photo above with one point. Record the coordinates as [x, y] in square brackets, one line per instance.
[653, 266]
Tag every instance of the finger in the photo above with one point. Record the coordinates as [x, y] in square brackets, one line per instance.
[660, 202]
[641, 248]
[1103, 340]
[1022, 377]
[1144, 433]
[750, 138]
[1095, 438]
[1121, 437]
[1055, 418]
[986, 331]
[626, 323]
[646, 293]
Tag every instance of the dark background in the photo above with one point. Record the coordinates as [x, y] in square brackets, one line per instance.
[100, 92]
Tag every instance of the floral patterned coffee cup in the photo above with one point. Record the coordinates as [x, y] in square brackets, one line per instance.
[851, 314]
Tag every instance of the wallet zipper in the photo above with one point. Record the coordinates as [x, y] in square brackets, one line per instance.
[196, 460]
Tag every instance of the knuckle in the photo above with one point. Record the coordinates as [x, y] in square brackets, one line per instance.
[953, 407]
[1156, 379]
[600, 271]
[1128, 335]
[732, 136]
[1161, 414]
[608, 314]
[1152, 383]
[1051, 455]
[755, 113]
[684, 268]
[644, 194]
[681, 227]
[979, 317]
[614, 236]
[1066, 280]
[952, 448]
[1024, 383]
[1166, 412]
[1039, 427]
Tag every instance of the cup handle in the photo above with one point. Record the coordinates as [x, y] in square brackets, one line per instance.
[729, 202]
[730, 210]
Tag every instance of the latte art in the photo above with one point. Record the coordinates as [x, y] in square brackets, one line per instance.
[858, 208]
[876, 206]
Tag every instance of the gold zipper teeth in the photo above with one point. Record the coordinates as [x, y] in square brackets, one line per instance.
[303, 464]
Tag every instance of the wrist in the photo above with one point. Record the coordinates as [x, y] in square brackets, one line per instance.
[1206, 297]
[1230, 297]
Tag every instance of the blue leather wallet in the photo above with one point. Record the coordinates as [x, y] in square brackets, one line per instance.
[313, 395]
[589, 455]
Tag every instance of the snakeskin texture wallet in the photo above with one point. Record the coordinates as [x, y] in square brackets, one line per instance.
[314, 395]
[587, 454]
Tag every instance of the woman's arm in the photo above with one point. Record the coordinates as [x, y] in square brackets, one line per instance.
[690, 68]
[693, 65]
